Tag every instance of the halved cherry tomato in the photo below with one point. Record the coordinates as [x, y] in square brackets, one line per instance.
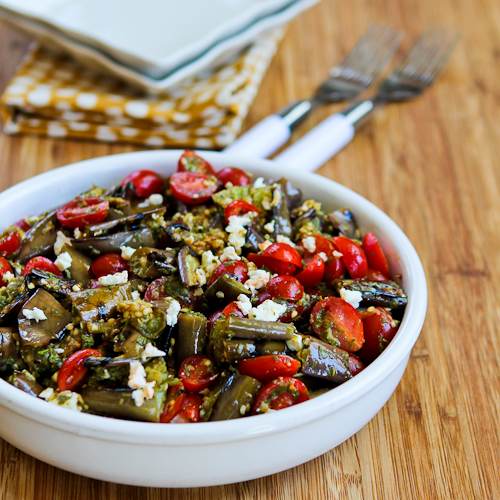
[338, 323]
[313, 272]
[355, 364]
[323, 244]
[192, 188]
[5, 267]
[280, 258]
[230, 310]
[73, 370]
[42, 264]
[280, 393]
[82, 212]
[379, 329]
[181, 407]
[192, 162]
[286, 288]
[10, 243]
[239, 207]
[109, 263]
[236, 268]
[235, 176]
[353, 256]
[197, 372]
[269, 367]
[373, 275]
[374, 254]
[334, 269]
[143, 183]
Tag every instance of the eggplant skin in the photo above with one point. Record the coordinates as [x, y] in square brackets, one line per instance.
[9, 348]
[376, 293]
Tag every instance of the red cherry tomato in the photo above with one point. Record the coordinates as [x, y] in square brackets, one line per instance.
[181, 407]
[323, 244]
[109, 263]
[235, 176]
[280, 393]
[379, 329]
[197, 372]
[5, 267]
[10, 243]
[236, 268]
[374, 254]
[338, 323]
[239, 207]
[143, 183]
[334, 269]
[373, 275]
[355, 364]
[280, 258]
[191, 162]
[269, 367]
[353, 256]
[286, 288]
[230, 310]
[73, 370]
[192, 188]
[82, 212]
[42, 264]
[313, 272]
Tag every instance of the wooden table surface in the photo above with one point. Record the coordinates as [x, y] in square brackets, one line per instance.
[433, 166]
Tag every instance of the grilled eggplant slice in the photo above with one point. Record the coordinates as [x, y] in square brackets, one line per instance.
[40, 238]
[376, 293]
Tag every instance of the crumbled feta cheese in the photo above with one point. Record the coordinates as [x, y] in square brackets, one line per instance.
[237, 228]
[229, 253]
[309, 244]
[155, 200]
[262, 246]
[142, 393]
[173, 311]
[276, 197]
[209, 262]
[201, 277]
[61, 241]
[269, 311]
[337, 254]
[269, 227]
[295, 343]
[219, 294]
[244, 304]
[114, 279]
[63, 261]
[284, 239]
[35, 313]
[136, 295]
[77, 233]
[150, 351]
[127, 252]
[323, 256]
[47, 393]
[66, 399]
[137, 375]
[257, 279]
[353, 297]
[243, 409]
[259, 182]
[7, 276]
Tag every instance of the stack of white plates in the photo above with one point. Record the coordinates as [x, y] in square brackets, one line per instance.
[151, 43]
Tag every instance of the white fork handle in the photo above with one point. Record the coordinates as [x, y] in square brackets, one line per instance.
[320, 144]
[262, 139]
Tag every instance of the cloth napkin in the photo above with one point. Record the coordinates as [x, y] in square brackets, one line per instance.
[52, 94]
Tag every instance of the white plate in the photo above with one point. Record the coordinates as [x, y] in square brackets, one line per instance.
[151, 36]
[149, 454]
[96, 58]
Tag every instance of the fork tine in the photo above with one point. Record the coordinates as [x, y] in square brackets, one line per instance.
[428, 55]
[370, 54]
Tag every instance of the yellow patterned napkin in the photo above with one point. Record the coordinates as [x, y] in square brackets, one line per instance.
[52, 94]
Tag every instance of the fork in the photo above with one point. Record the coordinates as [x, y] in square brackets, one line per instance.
[423, 63]
[345, 82]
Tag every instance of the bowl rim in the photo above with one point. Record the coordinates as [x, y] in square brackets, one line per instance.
[125, 431]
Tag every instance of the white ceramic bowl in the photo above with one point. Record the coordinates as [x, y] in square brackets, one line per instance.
[212, 453]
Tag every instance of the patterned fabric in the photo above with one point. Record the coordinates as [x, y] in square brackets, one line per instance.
[52, 94]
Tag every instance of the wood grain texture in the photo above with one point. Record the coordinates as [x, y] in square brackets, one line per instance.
[433, 166]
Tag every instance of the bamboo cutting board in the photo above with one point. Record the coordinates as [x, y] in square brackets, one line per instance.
[432, 165]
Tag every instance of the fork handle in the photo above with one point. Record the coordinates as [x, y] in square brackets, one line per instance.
[272, 132]
[326, 139]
